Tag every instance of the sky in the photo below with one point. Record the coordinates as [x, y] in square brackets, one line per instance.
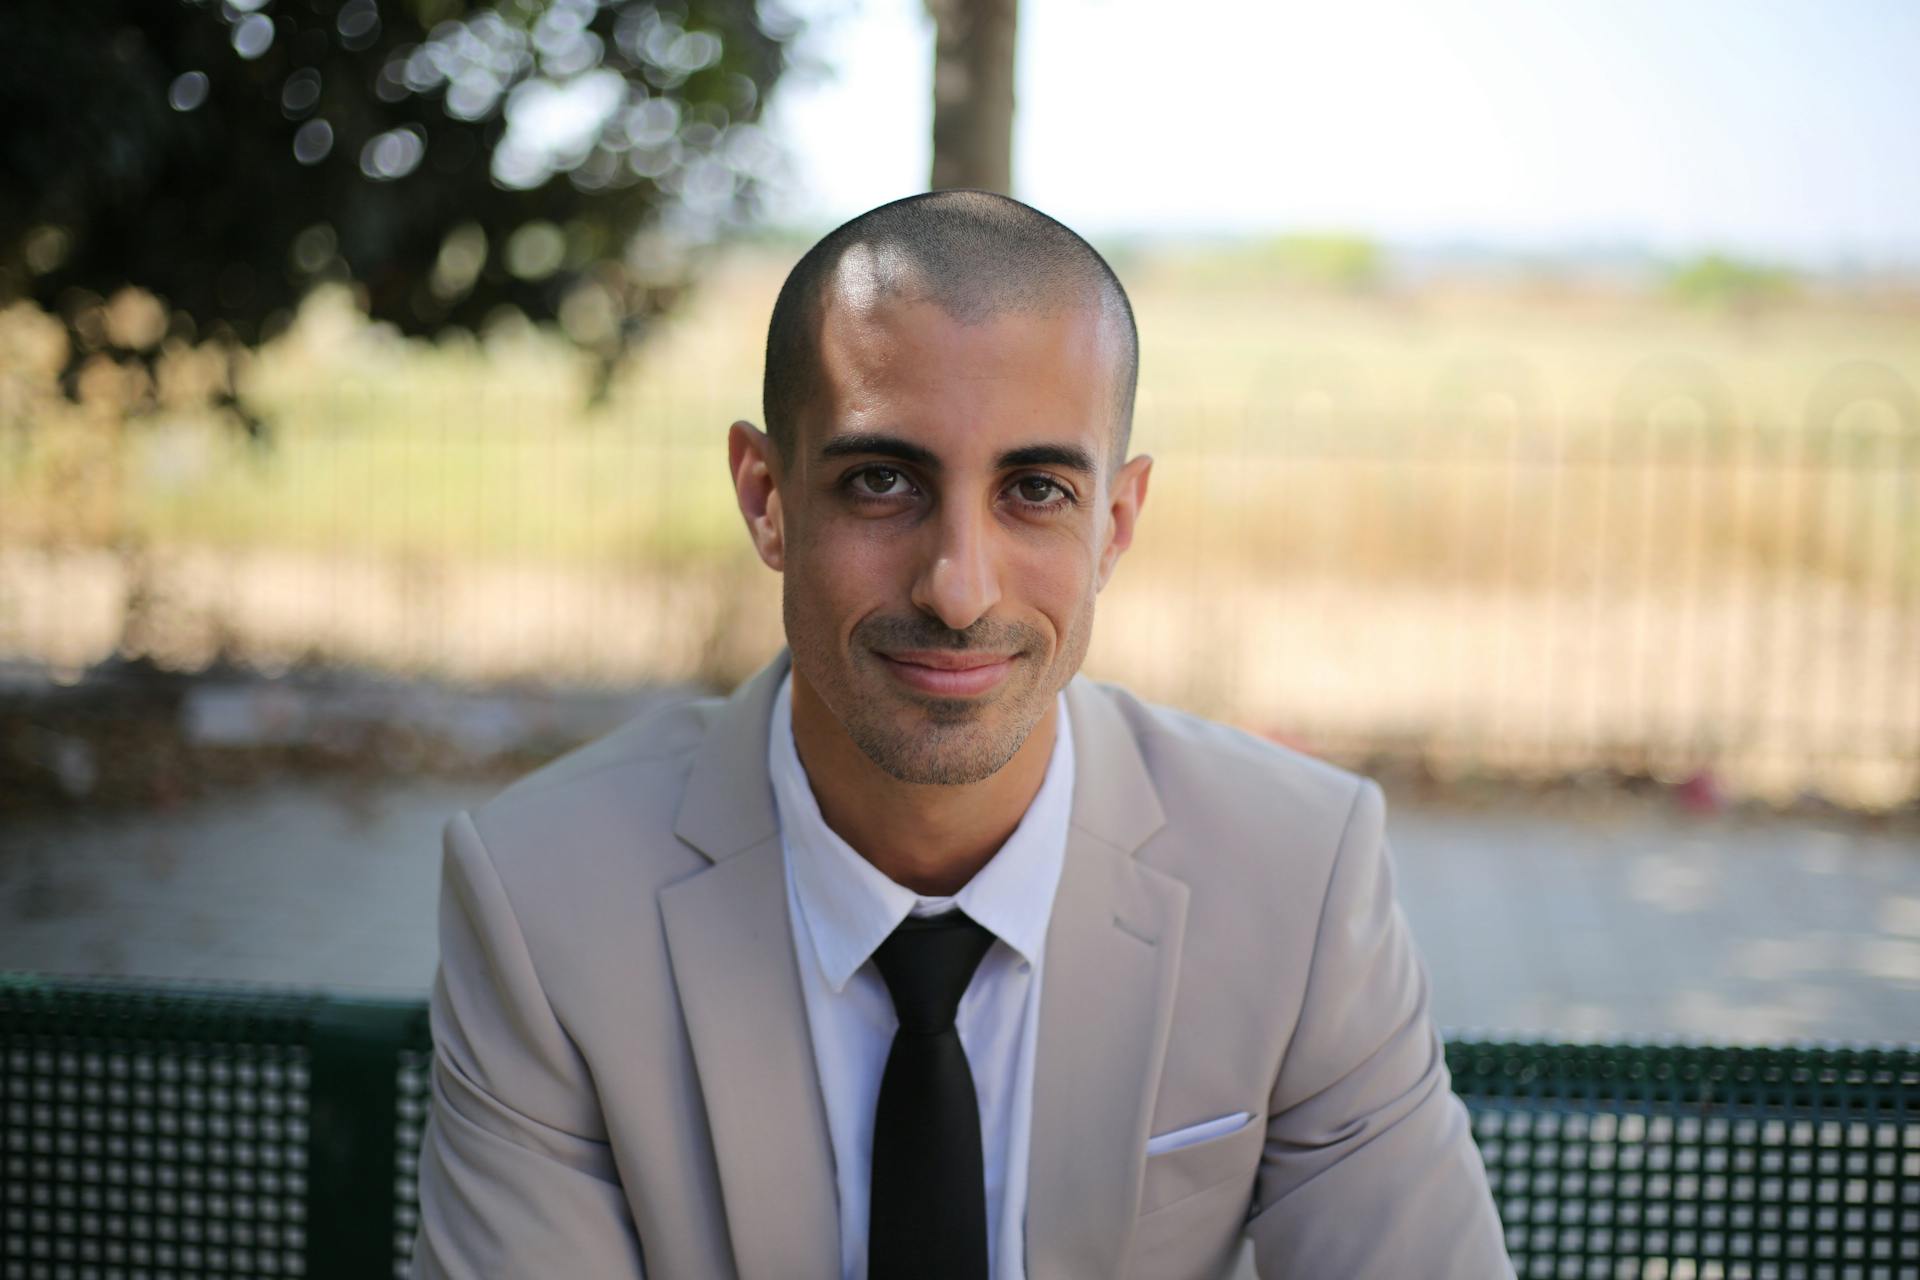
[1780, 129]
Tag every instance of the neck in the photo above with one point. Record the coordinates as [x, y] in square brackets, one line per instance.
[928, 838]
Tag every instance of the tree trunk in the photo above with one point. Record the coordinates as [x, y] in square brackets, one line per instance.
[973, 93]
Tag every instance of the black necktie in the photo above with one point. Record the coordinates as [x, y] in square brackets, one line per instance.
[928, 1207]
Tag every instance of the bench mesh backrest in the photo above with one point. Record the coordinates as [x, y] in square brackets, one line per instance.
[164, 1131]
[1683, 1161]
[160, 1131]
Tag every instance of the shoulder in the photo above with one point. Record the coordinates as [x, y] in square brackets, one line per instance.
[1200, 766]
[616, 796]
[1257, 833]
[1253, 828]
[573, 855]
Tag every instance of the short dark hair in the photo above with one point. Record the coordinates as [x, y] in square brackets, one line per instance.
[974, 254]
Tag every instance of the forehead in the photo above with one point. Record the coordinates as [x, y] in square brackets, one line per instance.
[893, 359]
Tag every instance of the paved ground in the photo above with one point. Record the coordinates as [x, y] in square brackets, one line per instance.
[1609, 921]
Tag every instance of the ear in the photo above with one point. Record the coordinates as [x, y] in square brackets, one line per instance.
[756, 485]
[1128, 495]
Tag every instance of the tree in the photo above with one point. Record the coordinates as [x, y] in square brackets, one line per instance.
[973, 67]
[448, 159]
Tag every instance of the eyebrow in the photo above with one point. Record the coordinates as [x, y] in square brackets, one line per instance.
[859, 443]
[1070, 456]
[867, 443]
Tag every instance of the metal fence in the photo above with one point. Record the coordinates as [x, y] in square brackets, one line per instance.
[1664, 592]
[1668, 590]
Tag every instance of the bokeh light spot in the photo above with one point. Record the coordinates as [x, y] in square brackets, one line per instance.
[462, 255]
[694, 51]
[590, 316]
[654, 162]
[312, 143]
[46, 248]
[536, 250]
[314, 248]
[253, 35]
[136, 319]
[301, 92]
[188, 90]
[651, 123]
[358, 23]
[474, 92]
[708, 183]
[393, 154]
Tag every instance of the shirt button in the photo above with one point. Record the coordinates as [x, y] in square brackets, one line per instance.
[1026, 966]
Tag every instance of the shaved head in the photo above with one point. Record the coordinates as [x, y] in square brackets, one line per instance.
[973, 254]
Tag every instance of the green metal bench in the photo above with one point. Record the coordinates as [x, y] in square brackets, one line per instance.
[161, 1130]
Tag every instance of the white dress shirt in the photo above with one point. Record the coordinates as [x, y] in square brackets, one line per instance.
[843, 907]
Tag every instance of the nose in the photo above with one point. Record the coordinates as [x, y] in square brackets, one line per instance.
[958, 580]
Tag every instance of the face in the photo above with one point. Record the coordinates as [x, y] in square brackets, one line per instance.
[945, 521]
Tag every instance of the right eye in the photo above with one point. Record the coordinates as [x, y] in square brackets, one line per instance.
[879, 482]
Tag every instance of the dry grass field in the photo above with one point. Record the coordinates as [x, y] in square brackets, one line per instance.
[1519, 524]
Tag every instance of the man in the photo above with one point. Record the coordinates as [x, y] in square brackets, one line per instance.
[920, 956]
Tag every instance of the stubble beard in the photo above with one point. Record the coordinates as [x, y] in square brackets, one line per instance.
[947, 742]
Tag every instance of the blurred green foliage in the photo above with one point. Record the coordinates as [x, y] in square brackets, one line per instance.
[1329, 260]
[454, 162]
[1317, 261]
[1720, 280]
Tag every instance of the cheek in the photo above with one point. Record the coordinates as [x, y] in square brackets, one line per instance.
[848, 568]
[1058, 583]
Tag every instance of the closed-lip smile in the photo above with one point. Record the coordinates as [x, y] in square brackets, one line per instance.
[949, 672]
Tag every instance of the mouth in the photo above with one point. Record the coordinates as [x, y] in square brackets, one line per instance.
[948, 673]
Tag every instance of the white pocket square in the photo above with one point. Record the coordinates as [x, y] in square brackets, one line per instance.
[1193, 1133]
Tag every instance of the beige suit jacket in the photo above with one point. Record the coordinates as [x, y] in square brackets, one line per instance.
[622, 1071]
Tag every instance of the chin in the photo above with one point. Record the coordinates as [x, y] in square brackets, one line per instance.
[948, 765]
[943, 742]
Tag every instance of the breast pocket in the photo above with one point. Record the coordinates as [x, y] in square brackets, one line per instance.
[1178, 1169]
[1193, 1206]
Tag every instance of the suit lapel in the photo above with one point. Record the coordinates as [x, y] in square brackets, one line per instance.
[727, 805]
[1112, 964]
[731, 942]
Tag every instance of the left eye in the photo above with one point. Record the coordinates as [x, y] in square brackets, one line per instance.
[1038, 489]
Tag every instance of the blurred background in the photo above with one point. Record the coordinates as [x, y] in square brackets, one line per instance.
[1532, 391]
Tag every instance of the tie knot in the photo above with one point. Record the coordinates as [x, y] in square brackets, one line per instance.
[927, 963]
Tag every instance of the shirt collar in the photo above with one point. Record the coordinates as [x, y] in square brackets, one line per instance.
[851, 906]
